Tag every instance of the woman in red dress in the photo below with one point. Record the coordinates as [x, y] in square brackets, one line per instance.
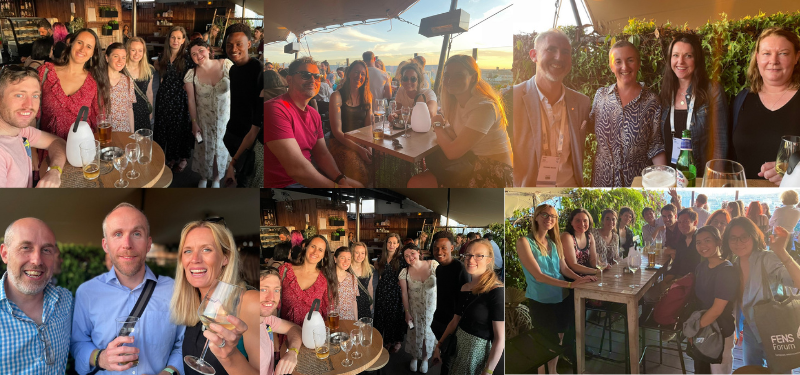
[311, 276]
[79, 79]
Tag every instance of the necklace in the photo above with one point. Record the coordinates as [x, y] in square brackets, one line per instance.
[772, 108]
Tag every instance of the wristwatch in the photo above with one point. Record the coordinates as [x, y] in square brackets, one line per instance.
[169, 370]
[339, 178]
[60, 171]
[437, 125]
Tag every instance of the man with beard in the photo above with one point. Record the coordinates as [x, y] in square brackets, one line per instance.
[270, 298]
[247, 115]
[35, 316]
[450, 276]
[20, 96]
[103, 299]
[550, 120]
[295, 134]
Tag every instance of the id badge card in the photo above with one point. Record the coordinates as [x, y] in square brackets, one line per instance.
[676, 149]
[548, 171]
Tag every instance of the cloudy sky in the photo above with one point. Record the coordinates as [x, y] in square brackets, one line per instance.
[493, 38]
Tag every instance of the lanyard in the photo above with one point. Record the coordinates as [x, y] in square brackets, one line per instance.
[690, 109]
[545, 131]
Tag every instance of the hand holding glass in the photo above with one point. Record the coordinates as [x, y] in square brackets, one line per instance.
[222, 299]
[405, 113]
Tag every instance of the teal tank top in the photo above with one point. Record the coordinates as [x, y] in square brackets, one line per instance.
[550, 266]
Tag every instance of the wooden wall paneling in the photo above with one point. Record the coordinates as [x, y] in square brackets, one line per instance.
[297, 217]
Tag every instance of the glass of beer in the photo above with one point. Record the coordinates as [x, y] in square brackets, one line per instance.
[129, 326]
[377, 127]
[103, 129]
[333, 320]
[90, 159]
[659, 177]
[651, 257]
[322, 342]
[724, 173]
[788, 147]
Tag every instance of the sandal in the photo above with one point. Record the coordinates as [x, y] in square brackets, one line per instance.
[181, 165]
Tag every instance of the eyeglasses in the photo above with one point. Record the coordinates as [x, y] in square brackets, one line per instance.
[742, 239]
[468, 257]
[308, 75]
[396, 144]
[411, 79]
[546, 216]
[48, 351]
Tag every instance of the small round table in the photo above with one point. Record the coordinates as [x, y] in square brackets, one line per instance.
[308, 364]
[151, 174]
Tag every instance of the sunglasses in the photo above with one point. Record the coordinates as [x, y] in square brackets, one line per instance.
[216, 220]
[412, 79]
[308, 75]
[396, 144]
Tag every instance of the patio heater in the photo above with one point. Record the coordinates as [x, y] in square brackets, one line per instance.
[445, 24]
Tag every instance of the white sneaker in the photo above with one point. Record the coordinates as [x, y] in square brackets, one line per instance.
[413, 365]
[424, 367]
[203, 184]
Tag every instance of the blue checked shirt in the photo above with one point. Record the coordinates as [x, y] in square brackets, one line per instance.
[22, 346]
[101, 300]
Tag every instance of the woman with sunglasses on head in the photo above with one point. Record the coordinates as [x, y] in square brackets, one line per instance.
[410, 89]
[351, 109]
[312, 275]
[347, 284]
[478, 323]
[364, 271]
[172, 129]
[418, 285]
[388, 296]
[208, 254]
[542, 258]
[744, 240]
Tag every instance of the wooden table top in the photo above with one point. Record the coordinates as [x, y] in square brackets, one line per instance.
[369, 355]
[759, 182]
[415, 147]
[150, 174]
[619, 286]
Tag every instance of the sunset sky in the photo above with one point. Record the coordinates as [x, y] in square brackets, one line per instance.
[493, 38]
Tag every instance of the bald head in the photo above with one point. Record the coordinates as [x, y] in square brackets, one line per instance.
[28, 222]
[127, 209]
[30, 251]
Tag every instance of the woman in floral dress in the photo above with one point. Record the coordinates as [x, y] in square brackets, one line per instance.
[122, 94]
[388, 297]
[172, 130]
[418, 283]
[208, 87]
[348, 285]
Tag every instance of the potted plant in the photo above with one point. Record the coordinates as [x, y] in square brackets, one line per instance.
[114, 24]
[109, 12]
[337, 234]
[335, 221]
[107, 30]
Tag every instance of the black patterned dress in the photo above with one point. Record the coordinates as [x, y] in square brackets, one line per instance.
[363, 299]
[141, 115]
[389, 317]
[172, 129]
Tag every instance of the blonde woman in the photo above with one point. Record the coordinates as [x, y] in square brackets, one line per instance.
[208, 254]
[212, 37]
[348, 284]
[364, 271]
[142, 73]
[475, 142]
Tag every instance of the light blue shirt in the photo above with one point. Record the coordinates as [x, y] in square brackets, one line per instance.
[778, 276]
[101, 300]
[22, 348]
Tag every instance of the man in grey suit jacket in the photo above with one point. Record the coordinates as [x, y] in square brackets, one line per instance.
[550, 120]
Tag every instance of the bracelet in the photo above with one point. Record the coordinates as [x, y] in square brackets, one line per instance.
[490, 372]
[293, 350]
[569, 286]
[97, 358]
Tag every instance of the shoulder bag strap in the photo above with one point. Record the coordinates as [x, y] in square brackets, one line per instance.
[139, 91]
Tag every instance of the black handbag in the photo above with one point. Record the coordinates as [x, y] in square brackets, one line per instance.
[451, 172]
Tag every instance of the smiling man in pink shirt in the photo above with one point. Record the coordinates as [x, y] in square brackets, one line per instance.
[20, 96]
[270, 298]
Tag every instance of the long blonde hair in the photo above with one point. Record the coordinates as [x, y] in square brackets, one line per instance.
[488, 279]
[478, 87]
[145, 73]
[552, 233]
[185, 297]
[366, 267]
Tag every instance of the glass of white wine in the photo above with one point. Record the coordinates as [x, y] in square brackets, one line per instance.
[346, 343]
[405, 113]
[789, 144]
[127, 326]
[602, 263]
[222, 299]
[633, 264]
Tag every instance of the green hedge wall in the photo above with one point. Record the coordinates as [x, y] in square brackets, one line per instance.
[727, 45]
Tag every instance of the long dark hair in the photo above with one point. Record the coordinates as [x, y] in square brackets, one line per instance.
[364, 94]
[96, 66]
[395, 261]
[700, 81]
[326, 266]
[750, 228]
[180, 63]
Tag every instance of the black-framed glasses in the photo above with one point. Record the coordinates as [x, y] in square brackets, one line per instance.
[216, 220]
[396, 144]
[305, 75]
[410, 79]
[48, 350]
[546, 216]
[743, 239]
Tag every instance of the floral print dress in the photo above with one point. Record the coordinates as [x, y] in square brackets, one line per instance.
[348, 293]
[122, 98]
[422, 303]
[213, 106]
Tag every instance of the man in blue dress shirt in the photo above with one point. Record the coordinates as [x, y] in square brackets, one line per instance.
[35, 317]
[103, 299]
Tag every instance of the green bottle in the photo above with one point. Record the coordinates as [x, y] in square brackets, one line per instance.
[685, 159]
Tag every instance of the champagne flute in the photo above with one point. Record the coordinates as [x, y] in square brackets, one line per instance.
[788, 147]
[634, 263]
[602, 263]
[120, 163]
[356, 336]
[405, 112]
[222, 300]
[346, 343]
[724, 173]
[132, 153]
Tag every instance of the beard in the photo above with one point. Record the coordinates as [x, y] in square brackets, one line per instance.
[7, 115]
[29, 287]
[126, 268]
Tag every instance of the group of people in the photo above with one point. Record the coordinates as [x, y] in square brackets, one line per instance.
[726, 252]
[448, 310]
[468, 116]
[636, 127]
[44, 323]
[197, 106]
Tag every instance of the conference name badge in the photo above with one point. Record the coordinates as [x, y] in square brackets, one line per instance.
[548, 171]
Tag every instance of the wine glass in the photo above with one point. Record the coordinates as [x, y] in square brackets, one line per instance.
[788, 147]
[405, 112]
[634, 262]
[724, 173]
[602, 263]
[392, 107]
[220, 301]
[120, 163]
[346, 343]
[356, 336]
[132, 153]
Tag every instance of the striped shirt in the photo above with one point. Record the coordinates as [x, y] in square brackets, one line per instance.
[26, 347]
